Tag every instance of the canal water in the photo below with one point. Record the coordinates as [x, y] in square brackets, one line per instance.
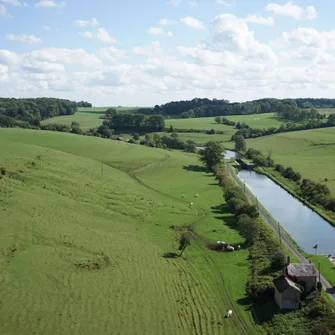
[305, 226]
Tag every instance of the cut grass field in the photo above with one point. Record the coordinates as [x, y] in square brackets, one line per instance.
[102, 110]
[85, 120]
[70, 201]
[310, 152]
[206, 123]
[326, 111]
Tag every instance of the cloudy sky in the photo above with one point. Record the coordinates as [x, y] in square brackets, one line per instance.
[146, 52]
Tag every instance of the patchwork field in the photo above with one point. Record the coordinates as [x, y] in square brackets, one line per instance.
[84, 227]
[310, 152]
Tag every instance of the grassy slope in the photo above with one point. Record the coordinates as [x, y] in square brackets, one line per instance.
[311, 152]
[85, 120]
[73, 204]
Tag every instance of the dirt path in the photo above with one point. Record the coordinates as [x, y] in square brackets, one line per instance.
[326, 285]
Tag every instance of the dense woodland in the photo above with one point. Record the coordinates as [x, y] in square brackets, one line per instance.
[206, 107]
[32, 111]
[84, 104]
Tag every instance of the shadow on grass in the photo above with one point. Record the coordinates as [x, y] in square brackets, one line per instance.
[195, 168]
[331, 290]
[170, 255]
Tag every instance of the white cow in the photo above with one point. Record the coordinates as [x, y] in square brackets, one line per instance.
[230, 313]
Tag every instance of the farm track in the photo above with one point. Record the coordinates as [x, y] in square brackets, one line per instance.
[222, 289]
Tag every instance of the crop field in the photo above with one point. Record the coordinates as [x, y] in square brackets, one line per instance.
[85, 120]
[87, 246]
[310, 152]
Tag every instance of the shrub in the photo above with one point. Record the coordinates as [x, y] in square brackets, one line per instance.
[136, 137]
[2, 170]
[278, 259]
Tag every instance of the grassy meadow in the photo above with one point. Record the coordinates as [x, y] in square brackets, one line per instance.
[326, 111]
[85, 120]
[87, 245]
[310, 152]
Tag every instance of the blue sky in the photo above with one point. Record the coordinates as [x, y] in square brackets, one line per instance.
[148, 52]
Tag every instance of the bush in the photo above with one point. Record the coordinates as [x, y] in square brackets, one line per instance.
[278, 259]
[136, 137]
[2, 170]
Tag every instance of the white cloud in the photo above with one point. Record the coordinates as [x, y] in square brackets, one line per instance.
[50, 4]
[84, 23]
[158, 31]
[9, 57]
[12, 2]
[174, 3]
[47, 28]
[292, 10]
[104, 36]
[31, 39]
[224, 2]
[151, 50]
[165, 22]
[86, 34]
[111, 53]
[3, 10]
[267, 21]
[192, 23]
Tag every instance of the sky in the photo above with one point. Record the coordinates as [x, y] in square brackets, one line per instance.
[147, 52]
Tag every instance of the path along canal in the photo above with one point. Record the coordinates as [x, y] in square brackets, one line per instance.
[305, 226]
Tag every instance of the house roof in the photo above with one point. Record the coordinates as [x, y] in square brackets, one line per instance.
[301, 270]
[282, 283]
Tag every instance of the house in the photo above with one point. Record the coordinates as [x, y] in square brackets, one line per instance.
[287, 293]
[304, 274]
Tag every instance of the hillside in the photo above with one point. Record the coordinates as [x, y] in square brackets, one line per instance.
[310, 152]
[89, 225]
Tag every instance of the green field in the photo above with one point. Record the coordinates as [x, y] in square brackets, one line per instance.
[85, 120]
[254, 121]
[102, 110]
[310, 152]
[326, 111]
[69, 201]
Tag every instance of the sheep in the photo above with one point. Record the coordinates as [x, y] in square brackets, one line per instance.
[238, 247]
[230, 248]
[191, 204]
[197, 195]
[230, 313]
[183, 196]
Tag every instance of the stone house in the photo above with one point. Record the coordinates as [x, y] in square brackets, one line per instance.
[287, 293]
[304, 274]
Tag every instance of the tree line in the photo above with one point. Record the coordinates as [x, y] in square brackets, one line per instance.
[205, 107]
[248, 132]
[34, 110]
[84, 104]
[128, 121]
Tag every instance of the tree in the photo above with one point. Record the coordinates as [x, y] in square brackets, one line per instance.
[331, 119]
[240, 144]
[174, 135]
[248, 228]
[190, 147]
[110, 112]
[218, 119]
[211, 155]
[74, 124]
[136, 137]
[185, 241]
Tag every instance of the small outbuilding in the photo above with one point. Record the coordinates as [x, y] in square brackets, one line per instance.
[304, 274]
[287, 293]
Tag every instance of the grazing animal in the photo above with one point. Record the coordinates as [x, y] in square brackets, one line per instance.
[238, 247]
[197, 195]
[230, 313]
[230, 248]
[191, 204]
[183, 196]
